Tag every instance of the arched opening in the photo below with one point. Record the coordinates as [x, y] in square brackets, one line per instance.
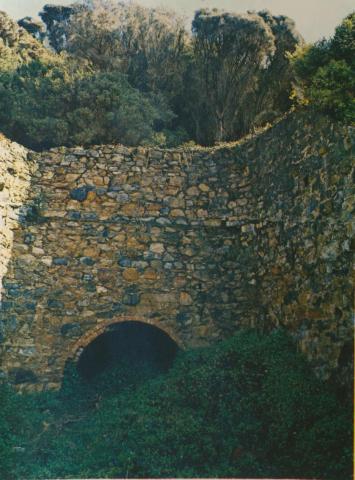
[130, 345]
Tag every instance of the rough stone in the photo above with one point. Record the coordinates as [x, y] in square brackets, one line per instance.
[80, 194]
[192, 192]
[130, 274]
[157, 248]
[185, 299]
[257, 231]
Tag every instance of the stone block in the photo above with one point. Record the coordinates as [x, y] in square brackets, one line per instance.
[185, 299]
[157, 248]
[130, 275]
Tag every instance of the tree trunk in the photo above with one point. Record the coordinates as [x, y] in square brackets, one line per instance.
[220, 134]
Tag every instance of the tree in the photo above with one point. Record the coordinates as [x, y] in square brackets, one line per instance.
[9, 31]
[230, 76]
[326, 73]
[56, 18]
[155, 43]
[343, 42]
[105, 108]
[17, 46]
[149, 45]
[33, 27]
[272, 96]
[50, 103]
[230, 51]
[91, 35]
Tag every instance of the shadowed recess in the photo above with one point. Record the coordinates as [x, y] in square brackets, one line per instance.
[135, 344]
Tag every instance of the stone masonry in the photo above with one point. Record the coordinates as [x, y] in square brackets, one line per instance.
[199, 243]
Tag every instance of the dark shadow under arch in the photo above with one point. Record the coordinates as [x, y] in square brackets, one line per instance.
[131, 343]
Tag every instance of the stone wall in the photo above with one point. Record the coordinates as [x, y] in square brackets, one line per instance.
[199, 243]
[15, 177]
[305, 189]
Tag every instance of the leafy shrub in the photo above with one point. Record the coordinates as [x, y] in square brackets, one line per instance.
[11, 431]
[249, 406]
[46, 104]
[145, 79]
[326, 73]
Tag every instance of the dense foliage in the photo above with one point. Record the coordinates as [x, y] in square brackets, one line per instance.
[240, 64]
[326, 73]
[225, 78]
[11, 424]
[158, 83]
[45, 104]
[49, 99]
[17, 46]
[249, 406]
[118, 72]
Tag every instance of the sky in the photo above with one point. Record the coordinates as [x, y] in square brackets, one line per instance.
[314, 18]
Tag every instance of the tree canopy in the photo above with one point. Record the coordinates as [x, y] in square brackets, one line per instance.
[326, 73]
[46, 104]
[229, 52]
[56, 19]
[17, 46]
[230, 75]
[146, 44]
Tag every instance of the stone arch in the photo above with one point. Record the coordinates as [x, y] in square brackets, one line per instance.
[74, 351]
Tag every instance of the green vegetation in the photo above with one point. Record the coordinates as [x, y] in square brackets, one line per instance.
[326, 73]
[46, 104]
[116, 72]
[135, 75]
[249, 406]
[241, 74]
[16, 46]
[11, 424]
[159, 83]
